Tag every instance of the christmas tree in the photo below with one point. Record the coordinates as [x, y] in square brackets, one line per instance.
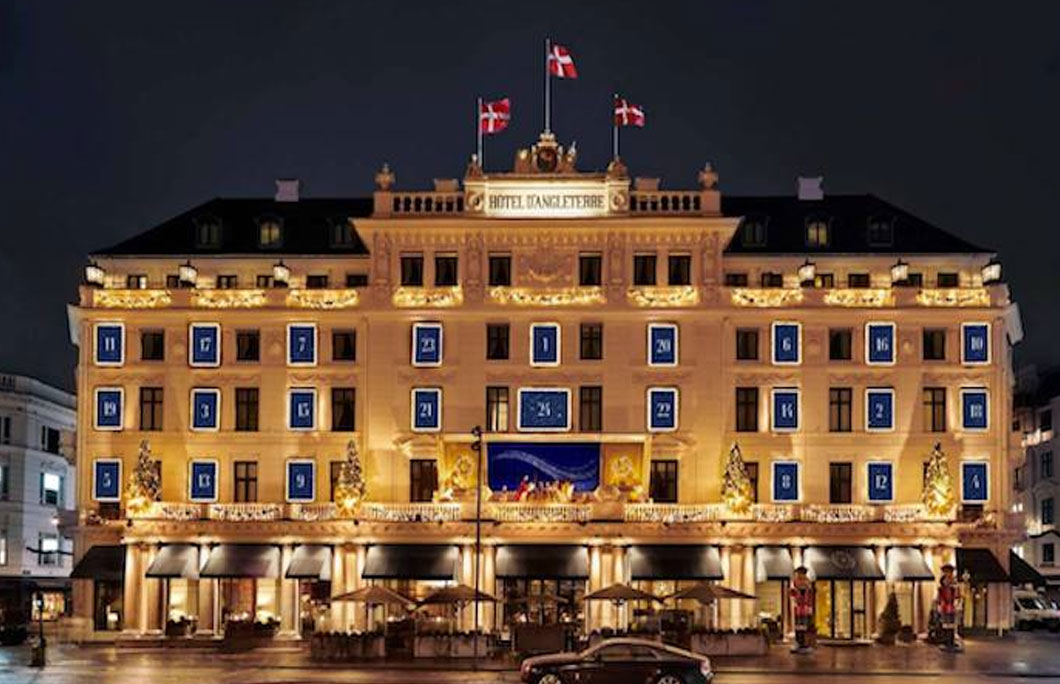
[890, 623]
[735, 485]
[350, 488]
[937, 496]
[145, 484]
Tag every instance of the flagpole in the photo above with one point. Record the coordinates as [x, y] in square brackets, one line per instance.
[478, 131]
[548, 87]
[614, 126]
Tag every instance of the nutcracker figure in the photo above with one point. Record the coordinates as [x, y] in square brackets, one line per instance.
[802, 609]
[948, 601]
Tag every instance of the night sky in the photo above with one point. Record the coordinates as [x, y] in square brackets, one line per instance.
[117, 115]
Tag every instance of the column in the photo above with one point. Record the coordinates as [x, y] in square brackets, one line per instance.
[466, 614]
[154, 616]
[592, 608]
[750, 607]
[607, 578]
[131, 624]
[349, 573]
[360, 552]
[289, 618]
[487, 612]
[723, 610]
[879, 593]
[205, 599]
[618, 574]
[338, 608]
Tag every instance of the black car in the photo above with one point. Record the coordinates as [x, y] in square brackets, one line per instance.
[620, 661]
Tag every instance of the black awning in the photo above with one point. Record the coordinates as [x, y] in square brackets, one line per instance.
[680, 562]
[310, 561]
[541, 561]
[981, 565]
[243, 560]
[1023, 572]
[773, 563]
[176, 560]
[841, 562]
[104, 562]
[411, 561]
[907, 564]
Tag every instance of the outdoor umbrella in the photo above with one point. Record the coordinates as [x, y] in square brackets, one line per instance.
[457, 595]
[705, 593]
[619, 594]
[374, 596]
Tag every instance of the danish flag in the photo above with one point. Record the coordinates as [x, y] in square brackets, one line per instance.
[561, 63]
[628, 114]
[493, 117]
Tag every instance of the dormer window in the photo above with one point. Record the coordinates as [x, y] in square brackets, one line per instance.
[341, 233]
[818, 231]
[270, 232]
[881, 231]
[208, 232]
[753, 231]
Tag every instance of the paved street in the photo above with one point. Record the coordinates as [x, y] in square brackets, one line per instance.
[1021, 657]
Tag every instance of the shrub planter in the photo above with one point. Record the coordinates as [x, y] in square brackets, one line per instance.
[746, 643]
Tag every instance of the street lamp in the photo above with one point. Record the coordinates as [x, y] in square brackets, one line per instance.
[899, 272]
[807, 273]
[991, 272]
[281, 274]
[187, 274]
[94, 274]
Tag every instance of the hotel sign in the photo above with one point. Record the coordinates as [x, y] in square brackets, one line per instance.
[518, 198]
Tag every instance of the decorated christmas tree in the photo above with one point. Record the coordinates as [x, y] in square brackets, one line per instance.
[937, 496]
[890, 622]
[350, 488]
[735, 485]
[144, 484]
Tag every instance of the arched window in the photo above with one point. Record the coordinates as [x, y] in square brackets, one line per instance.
[818, 230]
[270, 231]
[881, 231]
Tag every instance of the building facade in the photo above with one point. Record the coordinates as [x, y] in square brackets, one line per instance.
[612, 340]
[36, 496]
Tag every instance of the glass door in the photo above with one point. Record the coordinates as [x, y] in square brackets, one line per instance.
[824, 619]
[860, 622]
[843, 605]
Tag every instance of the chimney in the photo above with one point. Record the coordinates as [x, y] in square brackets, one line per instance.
[810, 188]
[287, 189]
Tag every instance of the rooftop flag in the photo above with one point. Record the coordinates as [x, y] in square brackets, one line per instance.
[627, 113]
[493, 117]
[561, 63]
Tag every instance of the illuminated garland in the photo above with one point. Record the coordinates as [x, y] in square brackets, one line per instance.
[323, 299]
[765, 297]
[408, 297]
[230, 299]
[571, 296]
[131, 299]
[662, 297]
[859, 297]
[978, 296]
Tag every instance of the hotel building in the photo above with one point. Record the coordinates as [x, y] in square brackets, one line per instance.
[612, 339]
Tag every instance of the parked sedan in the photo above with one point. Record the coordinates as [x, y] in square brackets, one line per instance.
[620, 661]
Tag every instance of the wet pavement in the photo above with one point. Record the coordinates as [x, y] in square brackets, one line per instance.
[1017, 657]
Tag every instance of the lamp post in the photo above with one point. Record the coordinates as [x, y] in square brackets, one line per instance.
[476, 446]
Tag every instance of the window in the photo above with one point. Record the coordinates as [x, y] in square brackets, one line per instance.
[747, 344]
[935, 409]
[316, 282]
[343, 345]
[1048, 511]
[49, 439]
[270, 232]
[151, 408]
[207, 232]
[840, 344]
[173, 282]
[751, 468]
[948, 280]
[500, 270]
[858, 280]
[679, 269]
[445, 271]
[412, 270]
[497, 336]
[227, 282]
[839, 479]
[5, 490]
[356, 280]
[753, 231]
[1045, 420]
[592, 341]
[644, 269]
[3, 547]
[824, 280]
[747, 409]
[5, 430]
[248, 345]
[152, 345]
[246, 482]
[1045, 460]
[590, 270]
[136, 282]
[496, 409]
[735, 280]
[246, 409]
[840, 408]
[934, 344]
[264, 281]
[51, 489]
[334, 470]
[1048, 553]
[817, 229]
[880, 231]
[342, 233]
[590, 408]
[915, 280]
[343, 402]
[662, 487]
[770, 279]
[423, 479]
[49, 549]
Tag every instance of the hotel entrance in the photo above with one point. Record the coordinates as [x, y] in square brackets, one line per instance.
[842, 578]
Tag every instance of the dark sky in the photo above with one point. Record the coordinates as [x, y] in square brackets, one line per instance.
[117, 115]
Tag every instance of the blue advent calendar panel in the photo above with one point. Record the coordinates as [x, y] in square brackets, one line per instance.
[204, 344]
[109, 408]
[880, 486]
[301, 344]
[975, 343]
[785, 410]
[301, 412]
[975, 482]
[544, 410]
[879, 409]
[202, 481]
[300, 480]
[663, 409]
[544, 344]
[106, 479]
[879, 343]
[110, 344]
[662, 344]
[205, 409]
[974, 409]
[426, 409]
[785, 481]
[427, 344]
[787, 343]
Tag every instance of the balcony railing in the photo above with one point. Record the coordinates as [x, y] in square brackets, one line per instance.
[687, 202]
[531, 512]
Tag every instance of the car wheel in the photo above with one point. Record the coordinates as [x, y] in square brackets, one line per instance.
[669, 679]
[549, 678]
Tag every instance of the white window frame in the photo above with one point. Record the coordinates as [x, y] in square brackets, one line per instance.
[316, 408]
[192, 327]
[677, 346]
[217, 411]
[773, 343]
[412, 409]
[773, 406]
[316, 345]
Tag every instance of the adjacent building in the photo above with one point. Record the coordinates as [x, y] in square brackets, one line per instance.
[36, 496]
[613, 340]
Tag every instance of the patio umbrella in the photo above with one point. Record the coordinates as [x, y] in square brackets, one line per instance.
[705, 593]
[374, 596]
[620, 593]
[457, 595]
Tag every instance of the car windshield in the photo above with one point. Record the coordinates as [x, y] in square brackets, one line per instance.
[622, 652]
[1030, 604]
